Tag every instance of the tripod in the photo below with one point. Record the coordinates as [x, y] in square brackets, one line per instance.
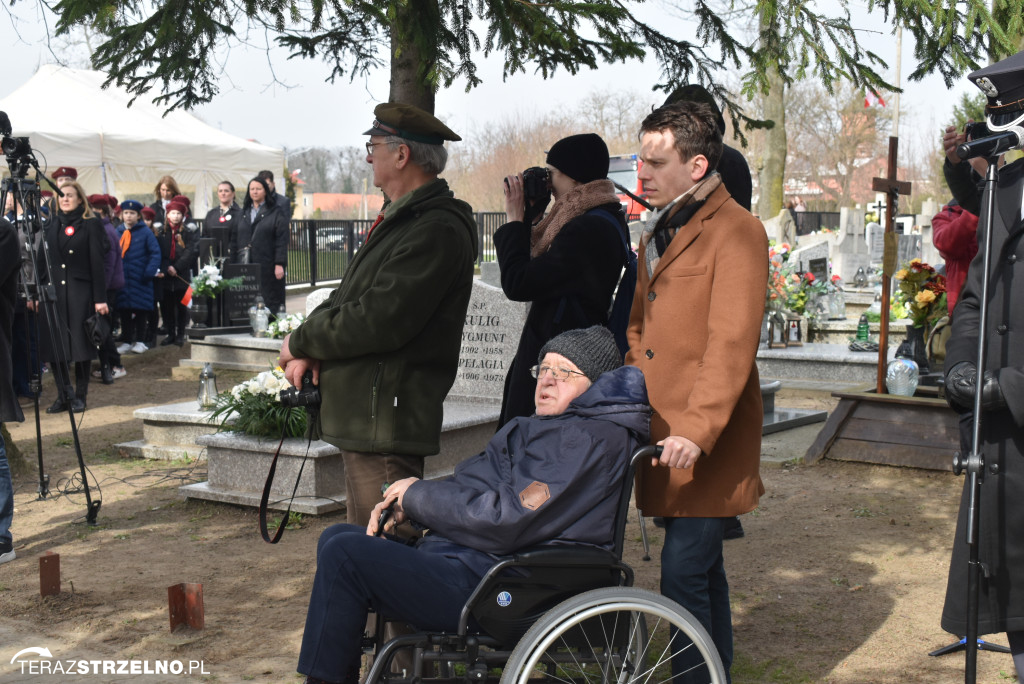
[26, 192]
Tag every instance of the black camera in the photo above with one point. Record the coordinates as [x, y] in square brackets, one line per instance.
[976, 130]
[536, 184]
[308, 396]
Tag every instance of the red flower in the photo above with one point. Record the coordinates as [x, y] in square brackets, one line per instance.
[809, 276]
[836, 278]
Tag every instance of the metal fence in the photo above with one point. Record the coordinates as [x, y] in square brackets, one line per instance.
[320, 250]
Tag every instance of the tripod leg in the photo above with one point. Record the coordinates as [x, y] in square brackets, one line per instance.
[952, 648]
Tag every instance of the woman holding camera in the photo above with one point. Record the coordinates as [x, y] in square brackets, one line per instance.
[77, 244]
[567, 264]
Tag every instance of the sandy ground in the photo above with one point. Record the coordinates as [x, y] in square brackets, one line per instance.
[840, 577]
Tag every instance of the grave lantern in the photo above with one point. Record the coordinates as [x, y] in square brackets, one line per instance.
[794, 331]
[777, 331]
[207, 395]
[259, 317]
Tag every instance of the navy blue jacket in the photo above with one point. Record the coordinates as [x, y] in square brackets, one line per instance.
[141, 264]
[580, 455]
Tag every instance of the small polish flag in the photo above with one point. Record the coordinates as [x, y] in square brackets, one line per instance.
[187, 298]
[871, 99]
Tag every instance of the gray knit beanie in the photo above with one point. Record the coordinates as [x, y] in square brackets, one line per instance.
[593, 350]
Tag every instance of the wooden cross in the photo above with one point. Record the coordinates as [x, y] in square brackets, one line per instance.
[893, 189]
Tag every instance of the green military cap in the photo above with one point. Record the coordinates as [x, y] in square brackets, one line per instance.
[411, 123]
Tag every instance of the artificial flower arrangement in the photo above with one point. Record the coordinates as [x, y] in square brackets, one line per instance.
[283, 325]
[921, 296]
[778, 276]
[257, 408]
[210, 282]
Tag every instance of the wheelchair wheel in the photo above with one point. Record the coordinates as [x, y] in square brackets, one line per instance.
[615, 635]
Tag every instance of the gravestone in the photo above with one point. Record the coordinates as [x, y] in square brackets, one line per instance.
[222, 237]
[929, 208]
[489, 340]
[207, 251]
[876, 244]
[908, 247]
[802, 256]
[851, 252]
[237, 300]
[819, 269]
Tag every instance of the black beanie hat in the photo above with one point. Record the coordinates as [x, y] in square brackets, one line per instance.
[592, 349]
[583, 157]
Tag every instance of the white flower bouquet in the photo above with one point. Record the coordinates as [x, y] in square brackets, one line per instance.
[281, 326]
[257, 406]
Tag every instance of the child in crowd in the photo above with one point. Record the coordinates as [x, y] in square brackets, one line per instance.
[179, 247]
[141, 254]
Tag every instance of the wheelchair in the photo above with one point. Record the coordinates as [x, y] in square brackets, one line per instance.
[566, 614]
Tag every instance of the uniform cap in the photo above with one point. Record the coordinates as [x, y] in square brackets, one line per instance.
[409, 122]
[1003, 85]
[65, 171]
[133, 205]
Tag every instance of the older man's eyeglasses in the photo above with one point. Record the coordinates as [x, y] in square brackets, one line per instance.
[371, 145]
[557, 373]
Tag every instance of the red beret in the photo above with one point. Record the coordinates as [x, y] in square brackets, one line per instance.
[46, 193]
[148, 213]
[184, 200]
[112, 201]
[176, 206]
[98, 200]
[65, 171]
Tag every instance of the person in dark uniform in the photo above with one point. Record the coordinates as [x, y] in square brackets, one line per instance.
[1001, 520]
[77, 244]
[261, 238]
[10, 260]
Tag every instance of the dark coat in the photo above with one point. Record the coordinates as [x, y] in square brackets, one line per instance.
[580, 455]
[228, 221]
[79, 277]
[693, 331]
[186, 253]
[1001, 548]
[569, 286]
[267, 237]
[141, 264]
[113, 266]
[389, 336]
[10, 261]
[158, 207]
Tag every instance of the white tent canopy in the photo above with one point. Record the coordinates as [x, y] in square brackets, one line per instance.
[72, 121]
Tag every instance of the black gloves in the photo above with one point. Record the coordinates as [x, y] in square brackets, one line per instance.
[961, 382]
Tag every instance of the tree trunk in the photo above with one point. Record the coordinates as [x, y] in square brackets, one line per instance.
[412, 61]
[772, 171]
[15, 459]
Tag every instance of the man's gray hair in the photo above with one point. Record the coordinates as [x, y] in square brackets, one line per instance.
[430, 158]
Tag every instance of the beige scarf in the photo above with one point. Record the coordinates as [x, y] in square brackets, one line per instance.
[579, 200]
[692, 200]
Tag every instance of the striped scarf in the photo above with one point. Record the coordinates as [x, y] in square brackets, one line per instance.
[674, 216]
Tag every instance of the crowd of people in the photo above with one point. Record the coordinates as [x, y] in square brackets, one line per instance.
[131, 264]
[384, 350]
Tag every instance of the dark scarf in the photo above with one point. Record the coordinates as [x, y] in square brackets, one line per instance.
[663, 225]
[72, 218]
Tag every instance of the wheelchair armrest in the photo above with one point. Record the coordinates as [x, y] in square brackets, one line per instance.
[563, 555]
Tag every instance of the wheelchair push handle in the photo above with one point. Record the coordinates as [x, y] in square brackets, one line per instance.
[649, 451]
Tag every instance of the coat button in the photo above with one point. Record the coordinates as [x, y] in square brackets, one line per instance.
[63, 282]
[651, 296]
[1001, 329]
[1012, 258]
[650, 354]
[71, 251]
[63, 265]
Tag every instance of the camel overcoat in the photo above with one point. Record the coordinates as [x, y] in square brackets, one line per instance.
[694, 330]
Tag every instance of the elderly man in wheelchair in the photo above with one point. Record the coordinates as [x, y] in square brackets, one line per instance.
[534, 520]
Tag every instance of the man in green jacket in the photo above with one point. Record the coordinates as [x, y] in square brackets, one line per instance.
[384, 348]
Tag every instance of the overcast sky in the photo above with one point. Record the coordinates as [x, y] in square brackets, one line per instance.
[312, 112]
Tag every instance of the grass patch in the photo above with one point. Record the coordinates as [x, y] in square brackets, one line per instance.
[750, 671]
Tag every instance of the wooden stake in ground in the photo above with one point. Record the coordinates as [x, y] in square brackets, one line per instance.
[893, 189]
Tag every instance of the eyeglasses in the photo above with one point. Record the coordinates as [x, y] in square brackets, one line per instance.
[371, 145]
[562, 374]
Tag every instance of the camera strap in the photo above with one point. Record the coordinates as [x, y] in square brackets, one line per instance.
[265, 498]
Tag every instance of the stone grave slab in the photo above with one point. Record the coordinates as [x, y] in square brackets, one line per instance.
[237, 300]
[802, 256]
[851, 251]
